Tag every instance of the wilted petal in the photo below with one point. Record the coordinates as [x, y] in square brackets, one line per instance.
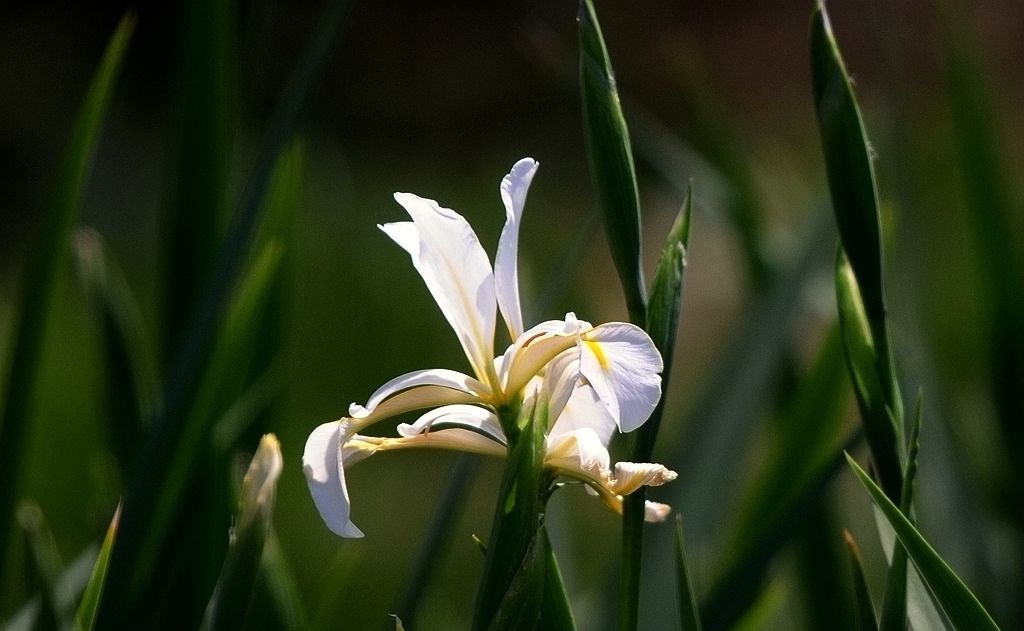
[321, 462]
[630, 476]
[656, 512]
[417, 390]
[514, 187]
[448, 255]
[579, 454]
[622, 364]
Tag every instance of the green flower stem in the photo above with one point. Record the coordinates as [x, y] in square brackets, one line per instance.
[511, 590]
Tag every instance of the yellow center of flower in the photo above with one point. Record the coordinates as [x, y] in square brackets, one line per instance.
[595, 348]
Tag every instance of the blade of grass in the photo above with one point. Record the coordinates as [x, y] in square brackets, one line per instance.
[234, 591]
[195, 219]
[865, 612]
[129, 363]
[689, 616]
[851, 182]
[40, 273]
[155, 456]
[44, 568]
[87, 608]
[662, 324]
[277, 603]
[964, 610]
[555, 609]
[69, 588]
[610, 157]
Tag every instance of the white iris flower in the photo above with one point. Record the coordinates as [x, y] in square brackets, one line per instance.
[593, 379]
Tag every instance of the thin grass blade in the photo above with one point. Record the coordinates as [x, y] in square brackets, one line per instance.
[610, 156]
[41, 270]
[686, 601]
[964, 610]
[555, 609]
[44, 567]
[87, 608]
[865, 612]
[129, 364]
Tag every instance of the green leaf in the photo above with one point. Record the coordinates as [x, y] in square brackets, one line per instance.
[851, 181]
[195, 218]
[963, 609]
[511, 588]
[155, 457]
[234, 591]
[555, 609]
[39, 276]
[689, 617]
[865, 612]
[277, 600]
[44, 567]
[129, 363]
[87, 608]
[612, 173]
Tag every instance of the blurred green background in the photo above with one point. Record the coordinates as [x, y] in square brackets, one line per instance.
[439, 100]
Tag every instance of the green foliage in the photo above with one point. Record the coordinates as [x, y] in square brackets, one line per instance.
[611, 160]
[865, 612]
[689, 616]
[42, 269]
[86, 616]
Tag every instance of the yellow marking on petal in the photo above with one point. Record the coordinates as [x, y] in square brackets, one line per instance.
[595, 348]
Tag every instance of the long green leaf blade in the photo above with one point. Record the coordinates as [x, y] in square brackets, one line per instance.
[610, 156]
[41, 270]
[686, 602]
[851, 182]
[964, 610]
[865, 611]
[555, 609]
[86, 616]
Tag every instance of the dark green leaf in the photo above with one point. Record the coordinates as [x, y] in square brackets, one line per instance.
[555, 609]
[689, 617]
[964, 610]
[851, 181]
[86, 616]
[40, 273]
[277, 601]
[44, 568]
[234, 590]
[610, 157]
[129, 361]
[866, 620]
[155, 457]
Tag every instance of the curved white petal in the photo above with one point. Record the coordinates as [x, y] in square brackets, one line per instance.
[321, 463]
[417, 390]
[584, 409]
[578, 454]
[622, 364]
[630, 476]
[514, 187]
[360, 447]
[470, 417]
[561, 378]
[532, 350]
[448, 255]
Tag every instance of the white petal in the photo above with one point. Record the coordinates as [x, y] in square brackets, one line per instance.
[448, 255]
[630, 476]
[532, 350]
[470, 417]
[514, 187]
[325, 476]
[417, 390]
[579, 454]
[360, 447]
[561, 378]
[656, 512]
[622, 364]
[585, 409]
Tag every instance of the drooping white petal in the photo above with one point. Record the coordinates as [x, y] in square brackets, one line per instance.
[622, 364]
[417, 390]
[561, 377]
[360, 447]
[532, 350]
[448, 255]
[470, 417]
[585, 410]
[514, 187]
[630, 476]
[578, 454]
[325, 476]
